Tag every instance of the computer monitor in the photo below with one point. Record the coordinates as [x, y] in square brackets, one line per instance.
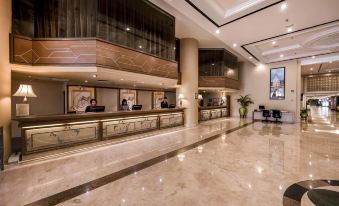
[171, 106]
[95, 109]
[137, 107]
[261, 107]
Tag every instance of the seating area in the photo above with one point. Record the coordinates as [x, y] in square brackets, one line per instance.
[273, 115]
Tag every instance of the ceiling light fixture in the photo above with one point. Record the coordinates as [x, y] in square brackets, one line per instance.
[289, 29]
[330, 62]
[128, 29]
[313, 57]
[283, 6]
[281, 55]
[95, 75]
[140, 46]
[250, 57]
[121, 79]
[217, 31]
[311, 69]
[86, 81]
[274, 42]
[234, 45]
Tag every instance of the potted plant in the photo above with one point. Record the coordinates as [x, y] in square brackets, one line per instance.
[303, 114]
[244, 102]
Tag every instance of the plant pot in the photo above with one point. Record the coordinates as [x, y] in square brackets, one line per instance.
[243, 112]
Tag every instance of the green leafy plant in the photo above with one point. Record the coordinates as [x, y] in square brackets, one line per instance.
[303, 113]
[245, 101]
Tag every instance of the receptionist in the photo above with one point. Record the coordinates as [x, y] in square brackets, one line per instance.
[91, 107]
[164, 103]
[124, 105]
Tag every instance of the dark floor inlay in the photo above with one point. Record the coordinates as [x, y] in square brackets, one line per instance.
[297, 190]
[81, 189]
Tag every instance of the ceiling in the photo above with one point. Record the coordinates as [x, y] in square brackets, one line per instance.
[254, 24]
[321, 68]
[93, 76]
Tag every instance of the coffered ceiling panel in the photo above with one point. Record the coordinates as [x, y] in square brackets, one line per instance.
[322, 68]
[222, 12]
[318, 40]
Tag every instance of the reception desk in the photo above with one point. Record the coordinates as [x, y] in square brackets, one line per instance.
[42, 133]
[287, 117]
[212, 112]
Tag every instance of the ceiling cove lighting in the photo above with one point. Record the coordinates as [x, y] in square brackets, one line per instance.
[217, 31]
[283, 6]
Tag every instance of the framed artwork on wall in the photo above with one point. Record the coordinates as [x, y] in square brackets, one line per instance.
[79, 98]
[277, 83]
[157, 99]
[130, 95]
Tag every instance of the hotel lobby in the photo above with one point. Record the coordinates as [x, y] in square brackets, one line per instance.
[169, 102]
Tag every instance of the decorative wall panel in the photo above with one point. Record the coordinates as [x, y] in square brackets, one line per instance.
[88, 52]
[322, 83]
[135, 24]
[170, 120]
[207, 113]
[216, 81]
[129, 126]
[44, 138]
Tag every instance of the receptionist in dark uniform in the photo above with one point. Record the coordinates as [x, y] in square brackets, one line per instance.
[124, 105]
[92, 106]
[164, 103]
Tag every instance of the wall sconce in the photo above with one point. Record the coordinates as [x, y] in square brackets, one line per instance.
[25, 91]
[180, 98]
[200, 97]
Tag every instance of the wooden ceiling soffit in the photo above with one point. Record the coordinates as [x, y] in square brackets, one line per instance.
[88, 52]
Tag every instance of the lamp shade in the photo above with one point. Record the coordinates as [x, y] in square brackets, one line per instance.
[181, 96]
[25, 90]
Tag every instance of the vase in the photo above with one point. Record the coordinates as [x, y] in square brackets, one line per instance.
[243, 112]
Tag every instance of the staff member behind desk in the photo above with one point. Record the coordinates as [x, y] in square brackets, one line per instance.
[93, 107]
[164, 103]
[124, 105]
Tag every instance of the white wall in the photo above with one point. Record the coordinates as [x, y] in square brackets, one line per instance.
[256, 82]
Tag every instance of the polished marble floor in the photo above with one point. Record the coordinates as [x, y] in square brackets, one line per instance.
[251, 164]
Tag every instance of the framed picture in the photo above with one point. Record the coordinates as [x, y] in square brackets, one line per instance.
[129, 95]
[277, 83]
[79, 98]
[157, 99]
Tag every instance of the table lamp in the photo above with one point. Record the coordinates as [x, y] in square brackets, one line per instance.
[25, 90]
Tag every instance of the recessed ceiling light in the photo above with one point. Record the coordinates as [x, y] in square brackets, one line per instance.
[330, 62]
[128, 29]
[121, 79]
[250, 57]
[289, 29]
[212, 64]
[274, 42]
[281, 55]
[234, 45]
[140, 46]
[95, 75]
[217, 31]
[86, 81]
[313, 57]
[283, 6]
[311, 69]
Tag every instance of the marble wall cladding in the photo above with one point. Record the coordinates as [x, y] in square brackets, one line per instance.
[171, 120]
[128, 126]
[44, 138]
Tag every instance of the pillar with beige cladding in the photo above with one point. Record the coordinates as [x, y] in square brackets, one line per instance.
[5, 74]
[189, 79]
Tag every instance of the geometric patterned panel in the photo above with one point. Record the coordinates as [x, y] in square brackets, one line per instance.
[88, 52]
[217, 81]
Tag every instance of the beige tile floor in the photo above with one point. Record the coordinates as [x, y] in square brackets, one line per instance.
[251, 166]
[32, 180]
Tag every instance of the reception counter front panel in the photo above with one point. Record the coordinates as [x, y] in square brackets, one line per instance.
[213, 112]
[42, 133]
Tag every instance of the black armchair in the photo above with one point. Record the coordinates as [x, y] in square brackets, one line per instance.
[277, 115]
[266, 113]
